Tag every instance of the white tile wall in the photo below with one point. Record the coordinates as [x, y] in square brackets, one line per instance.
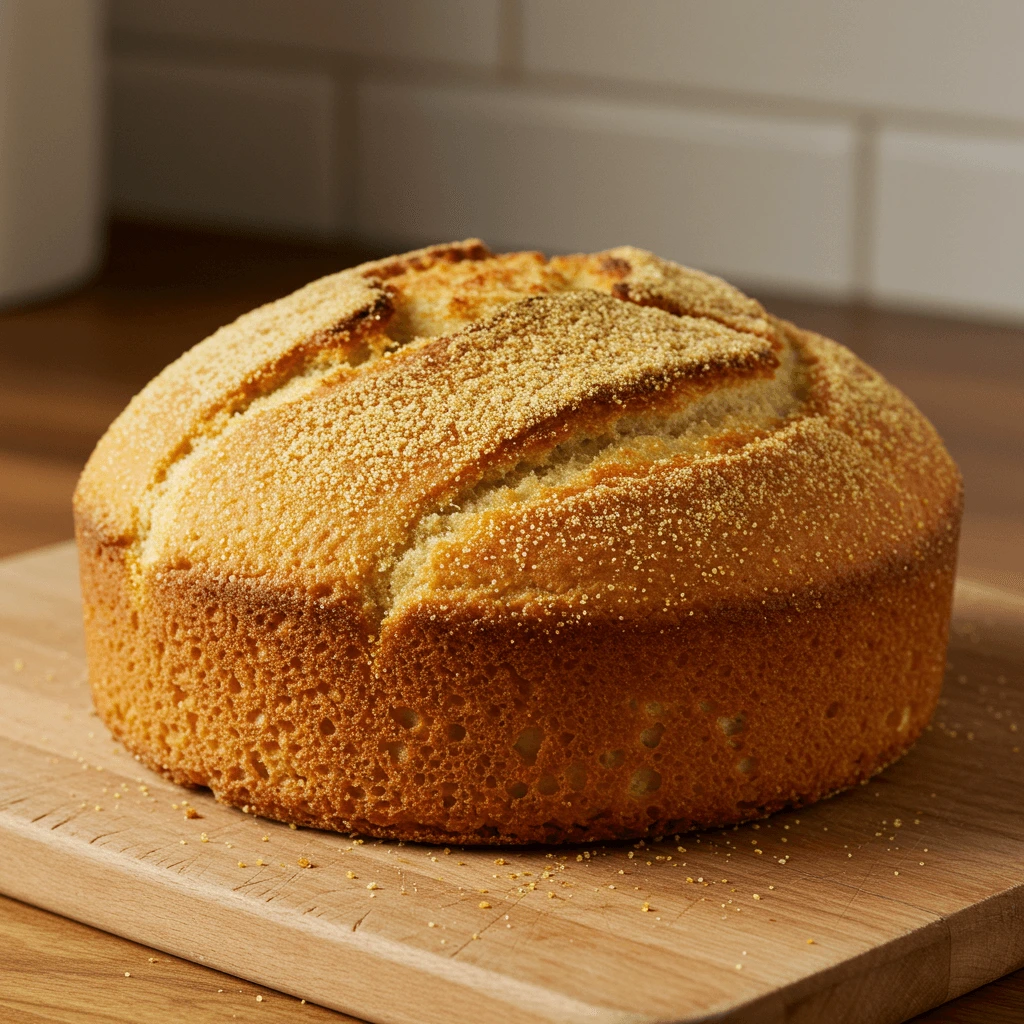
[568, 124]
[461, 31]
[950, 227]
[951, 56]
[766, 201]
[228, 146]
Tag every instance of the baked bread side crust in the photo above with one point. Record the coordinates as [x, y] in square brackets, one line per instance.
[693, 588]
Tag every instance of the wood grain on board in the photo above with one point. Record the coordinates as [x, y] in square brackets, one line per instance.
[875, 905]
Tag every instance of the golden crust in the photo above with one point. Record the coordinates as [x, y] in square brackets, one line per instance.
[481, 548]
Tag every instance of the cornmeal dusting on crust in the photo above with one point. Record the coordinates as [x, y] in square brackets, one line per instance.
[496, 548]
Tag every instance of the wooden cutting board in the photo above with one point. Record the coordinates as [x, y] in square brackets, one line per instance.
[874, 905]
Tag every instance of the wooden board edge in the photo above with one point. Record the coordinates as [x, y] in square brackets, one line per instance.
[351, 977]
[887, 984]
[988, 618]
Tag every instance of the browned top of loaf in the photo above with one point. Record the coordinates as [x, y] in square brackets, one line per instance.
[590, 436]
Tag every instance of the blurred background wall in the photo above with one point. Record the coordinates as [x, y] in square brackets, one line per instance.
[867, 149]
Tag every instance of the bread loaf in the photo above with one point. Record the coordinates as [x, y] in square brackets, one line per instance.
[477, 548]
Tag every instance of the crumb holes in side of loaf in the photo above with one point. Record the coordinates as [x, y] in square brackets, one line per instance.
[405, 717]
[258, 766]
[448, 790]
[644, 780]
[612, 758]
[397, 751]
[652, 737]
[522, 685]
[327, 727]
[518, 790]
[547, 785]
[747, 765]
[575, 777]
[833, 709]
[456, 732]
[527, 746]
[732, 725]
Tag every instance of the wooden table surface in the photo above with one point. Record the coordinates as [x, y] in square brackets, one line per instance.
[68, 366]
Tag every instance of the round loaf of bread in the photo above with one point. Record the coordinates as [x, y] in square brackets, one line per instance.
[477, 548]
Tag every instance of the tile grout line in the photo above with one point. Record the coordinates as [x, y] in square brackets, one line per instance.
[509, 69]
[862, 230]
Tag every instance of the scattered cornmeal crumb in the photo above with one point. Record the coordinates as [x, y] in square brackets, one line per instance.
[372, 885]
[293, 826]
[259, 999]
[303, 862]
[191, 812]
[266, 839]
[203, 837]
[646, 908]
[811, 942]
[241, 863]
[351, 874]
[127, 974]
[757, 896]
[484, 905]
[260, 862]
